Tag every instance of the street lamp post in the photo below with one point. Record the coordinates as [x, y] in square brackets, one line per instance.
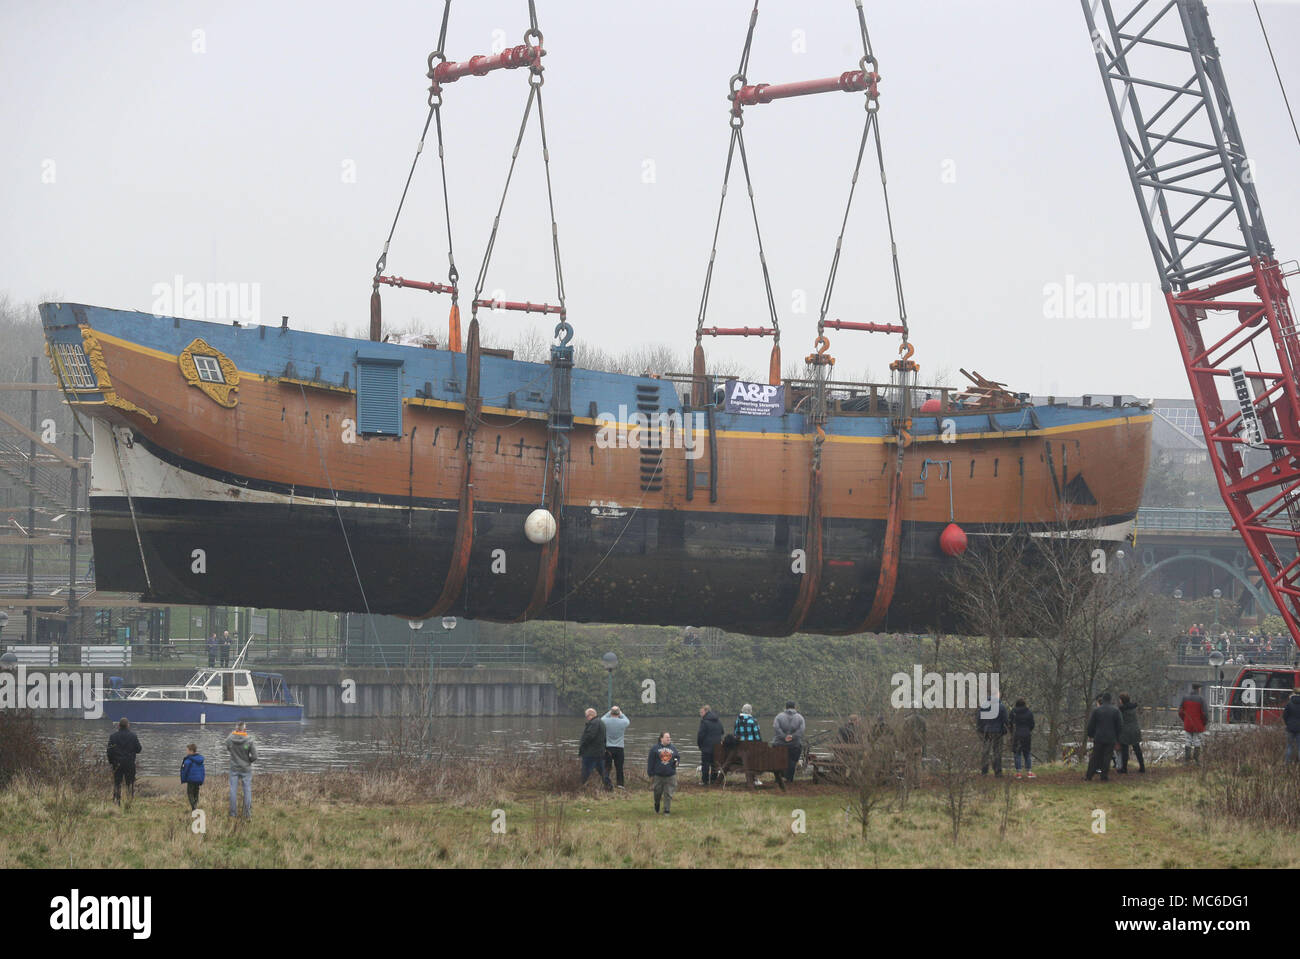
[1217, 594]
[1178, 623]
[1216, 660]
[610, 662]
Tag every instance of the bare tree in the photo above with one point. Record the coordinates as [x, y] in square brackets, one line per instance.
[988, 585]
[865, 749]
[1107, 624]
[955, 751]
[1054, 596]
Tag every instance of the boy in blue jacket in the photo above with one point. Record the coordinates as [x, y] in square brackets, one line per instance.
[192, 774]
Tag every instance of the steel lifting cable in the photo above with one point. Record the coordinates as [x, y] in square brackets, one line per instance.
[130, 502]
[434, 118]
[532, 39]
[1287, 100]
[872, 121]
[435, 103]
[738, 140]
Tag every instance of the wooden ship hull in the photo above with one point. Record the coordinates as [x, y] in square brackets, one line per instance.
[269, 467]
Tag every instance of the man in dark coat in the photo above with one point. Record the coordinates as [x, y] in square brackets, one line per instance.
[1022, 738]
[1103, 729]
[708, 738]
[1130, 734]
[1291, 717]
[992, 722]
[123, 746]
[225, 647]
[591, 749]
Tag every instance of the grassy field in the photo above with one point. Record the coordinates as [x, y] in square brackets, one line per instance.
[1160, 820]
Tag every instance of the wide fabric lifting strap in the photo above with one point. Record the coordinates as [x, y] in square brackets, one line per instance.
[457, 572]
[810, 581]
[888, 577]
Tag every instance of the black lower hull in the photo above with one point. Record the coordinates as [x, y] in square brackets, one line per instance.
[653, 568]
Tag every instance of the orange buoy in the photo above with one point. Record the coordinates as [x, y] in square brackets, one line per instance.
[952, 540]
[931, 406]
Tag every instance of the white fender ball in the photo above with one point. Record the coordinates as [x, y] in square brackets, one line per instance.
[539, 527]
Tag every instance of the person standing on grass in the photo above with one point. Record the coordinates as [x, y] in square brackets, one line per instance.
[991, 720]
[1022, 730]
[243, 753]
[591, 749]
[708, 739]
[192, 774]
[1130, 733]
[1103, 730]
[1291, 717]
[661, 767]
[1193, 712]
[788, 727]
[615, 725]
[123, 747]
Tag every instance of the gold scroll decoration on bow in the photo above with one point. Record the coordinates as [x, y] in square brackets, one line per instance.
[219, 393]
[95, 357]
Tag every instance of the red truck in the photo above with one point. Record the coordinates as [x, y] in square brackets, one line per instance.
[1259, 693]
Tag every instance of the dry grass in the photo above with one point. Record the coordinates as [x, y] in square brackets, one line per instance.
[444, 816]
[1245, 781]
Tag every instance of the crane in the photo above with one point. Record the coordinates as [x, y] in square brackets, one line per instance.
[1224, 287]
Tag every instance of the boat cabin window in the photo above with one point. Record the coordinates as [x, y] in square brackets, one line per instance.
[215, 680]
[241, 679]
[197, 694]
[379, 396]
[208, 368]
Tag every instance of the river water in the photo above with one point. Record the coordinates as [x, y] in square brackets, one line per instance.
[318, 745]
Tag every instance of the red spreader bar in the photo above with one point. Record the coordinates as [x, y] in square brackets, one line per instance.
[523, 55]
[737, 331]
[865, 327]
[520, 307]
[851, 81]
[416, 284]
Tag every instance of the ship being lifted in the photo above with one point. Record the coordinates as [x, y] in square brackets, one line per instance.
[271, 467]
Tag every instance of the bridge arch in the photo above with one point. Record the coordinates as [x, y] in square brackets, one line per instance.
[1263, 602]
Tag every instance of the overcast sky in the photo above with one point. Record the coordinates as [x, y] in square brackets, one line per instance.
[266, 144]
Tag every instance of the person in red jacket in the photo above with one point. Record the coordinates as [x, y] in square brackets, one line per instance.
[1193, 712]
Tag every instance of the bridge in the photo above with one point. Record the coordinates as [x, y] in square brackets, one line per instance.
[1198, 551]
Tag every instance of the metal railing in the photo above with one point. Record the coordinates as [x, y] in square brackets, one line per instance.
[1252, 704]
[439, 656]
[1177, 518]
[1194, 654]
